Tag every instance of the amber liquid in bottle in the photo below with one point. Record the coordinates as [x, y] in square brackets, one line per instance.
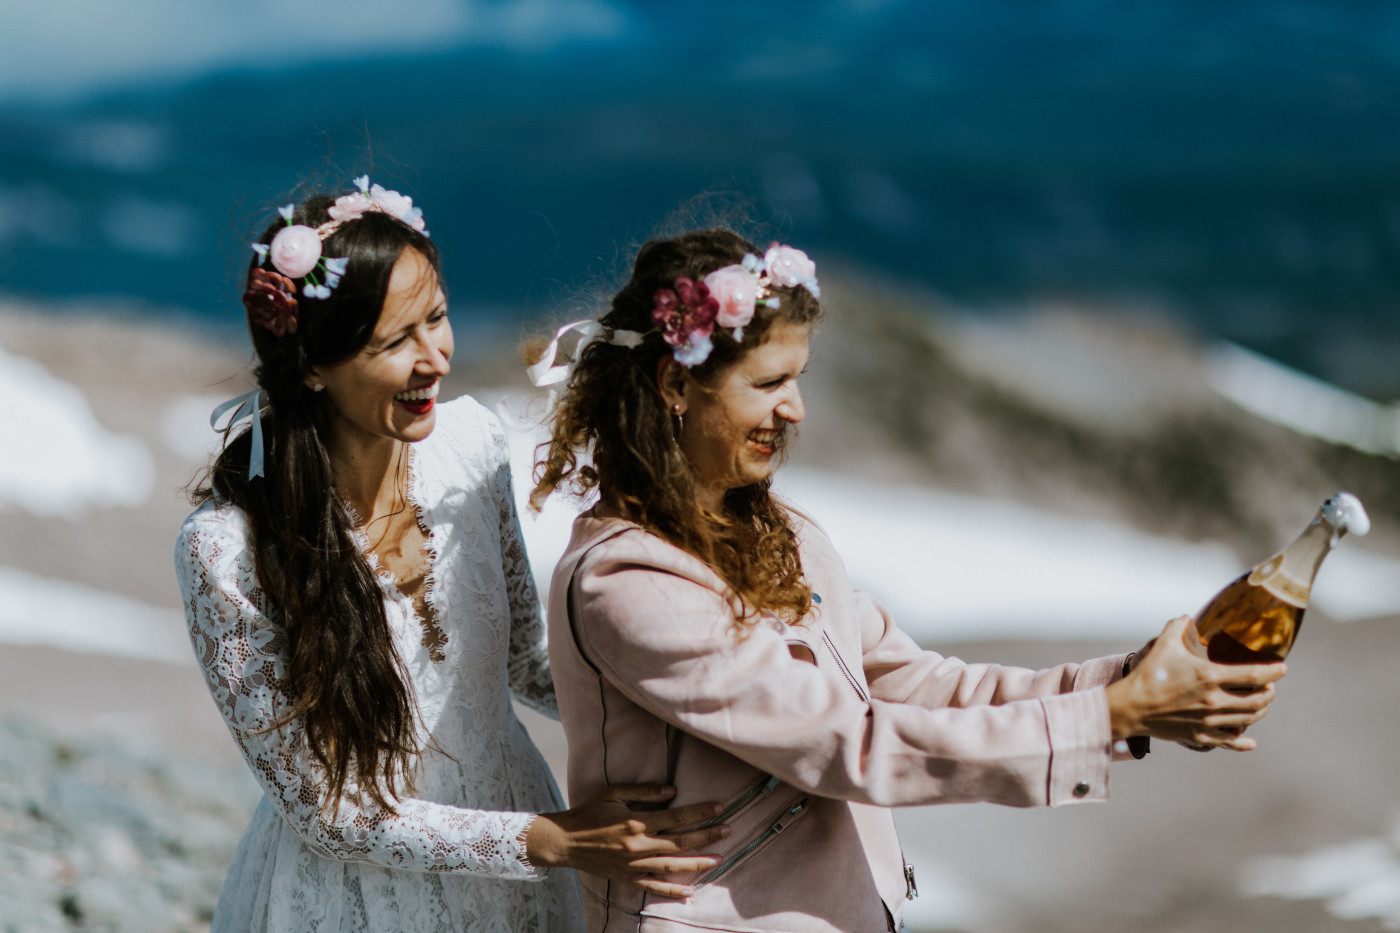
[1255, 620]
[1246, 624]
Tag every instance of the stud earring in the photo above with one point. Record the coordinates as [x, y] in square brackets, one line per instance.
[317, 387]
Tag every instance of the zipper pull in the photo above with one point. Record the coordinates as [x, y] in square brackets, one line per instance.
[911, 888]
[768, 788]
[797, 808]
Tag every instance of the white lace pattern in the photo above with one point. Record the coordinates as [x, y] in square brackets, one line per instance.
[451, 858]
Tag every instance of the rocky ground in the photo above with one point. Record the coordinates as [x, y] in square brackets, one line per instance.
[104, 835]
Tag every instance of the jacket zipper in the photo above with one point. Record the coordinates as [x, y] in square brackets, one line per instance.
[911, 887]
[780, 824]
[850, 678]
[764, 785]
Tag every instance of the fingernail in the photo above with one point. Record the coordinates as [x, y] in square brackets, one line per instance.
[724, 831]
[716, 809]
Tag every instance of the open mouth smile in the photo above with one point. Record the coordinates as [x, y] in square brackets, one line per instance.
[419, 401]
[767, 442]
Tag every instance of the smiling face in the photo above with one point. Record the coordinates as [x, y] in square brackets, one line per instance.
[386, 390]
[735, 426]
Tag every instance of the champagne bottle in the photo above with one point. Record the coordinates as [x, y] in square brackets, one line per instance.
[1256, 618]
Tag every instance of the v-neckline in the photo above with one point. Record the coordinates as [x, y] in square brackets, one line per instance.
[434, 639]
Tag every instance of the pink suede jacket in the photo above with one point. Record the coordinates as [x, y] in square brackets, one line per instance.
[806, 733]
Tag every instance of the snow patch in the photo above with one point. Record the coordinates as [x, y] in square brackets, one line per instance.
[58, 459]
[1358, 880]
[1301, 402]
[184, 427]
[61, 614]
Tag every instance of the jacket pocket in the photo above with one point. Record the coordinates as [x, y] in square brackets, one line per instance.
[768, 830]
[758, 790]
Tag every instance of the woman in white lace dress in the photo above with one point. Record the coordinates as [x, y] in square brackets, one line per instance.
[359, 598]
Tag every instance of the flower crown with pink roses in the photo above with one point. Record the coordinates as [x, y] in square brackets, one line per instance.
[295, 252]
[688, 313]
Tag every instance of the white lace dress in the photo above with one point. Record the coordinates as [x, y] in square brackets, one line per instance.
[452, 859]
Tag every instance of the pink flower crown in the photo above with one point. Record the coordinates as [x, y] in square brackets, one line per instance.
[295, 252]
[688, 313]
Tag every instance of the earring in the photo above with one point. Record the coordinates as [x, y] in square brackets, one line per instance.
[317, 387]
[679, 427]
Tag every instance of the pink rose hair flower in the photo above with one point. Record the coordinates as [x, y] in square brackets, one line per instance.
[735, 288]
[398, 206]
[296, 250]
[789, 267]
[350, 207]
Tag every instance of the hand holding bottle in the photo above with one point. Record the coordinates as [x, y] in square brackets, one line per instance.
[1256, 619]
[1176, 695]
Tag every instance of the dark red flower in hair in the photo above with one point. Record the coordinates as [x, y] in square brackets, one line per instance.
[689, 309]
[271, 301]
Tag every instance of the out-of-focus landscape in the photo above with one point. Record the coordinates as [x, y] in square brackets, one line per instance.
[1111, 309]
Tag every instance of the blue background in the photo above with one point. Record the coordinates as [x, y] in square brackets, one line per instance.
[1234, 165]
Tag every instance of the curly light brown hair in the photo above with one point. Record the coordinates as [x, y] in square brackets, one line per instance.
[611, 431]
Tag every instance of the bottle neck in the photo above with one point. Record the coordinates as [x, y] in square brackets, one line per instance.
[1304, 556]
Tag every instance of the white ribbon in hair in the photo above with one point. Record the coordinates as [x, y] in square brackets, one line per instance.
[245, 407]
[546, 372]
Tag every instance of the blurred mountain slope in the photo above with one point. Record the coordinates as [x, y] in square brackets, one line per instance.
[1105, 413]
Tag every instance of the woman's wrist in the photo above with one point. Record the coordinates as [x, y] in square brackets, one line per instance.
[542, 842]
[1140, 744]
[1123, 722]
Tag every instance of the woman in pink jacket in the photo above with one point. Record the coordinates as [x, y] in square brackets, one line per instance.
[704, 634]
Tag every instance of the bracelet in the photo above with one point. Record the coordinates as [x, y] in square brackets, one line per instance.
[1138, 745]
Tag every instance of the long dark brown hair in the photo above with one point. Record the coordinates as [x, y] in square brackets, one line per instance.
[347, 684]
[611, 431]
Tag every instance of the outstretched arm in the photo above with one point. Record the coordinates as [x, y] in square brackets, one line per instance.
[900, 671]
[668, 643]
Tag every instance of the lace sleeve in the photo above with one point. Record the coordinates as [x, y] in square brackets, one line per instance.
[528, 666]
[243, 654]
